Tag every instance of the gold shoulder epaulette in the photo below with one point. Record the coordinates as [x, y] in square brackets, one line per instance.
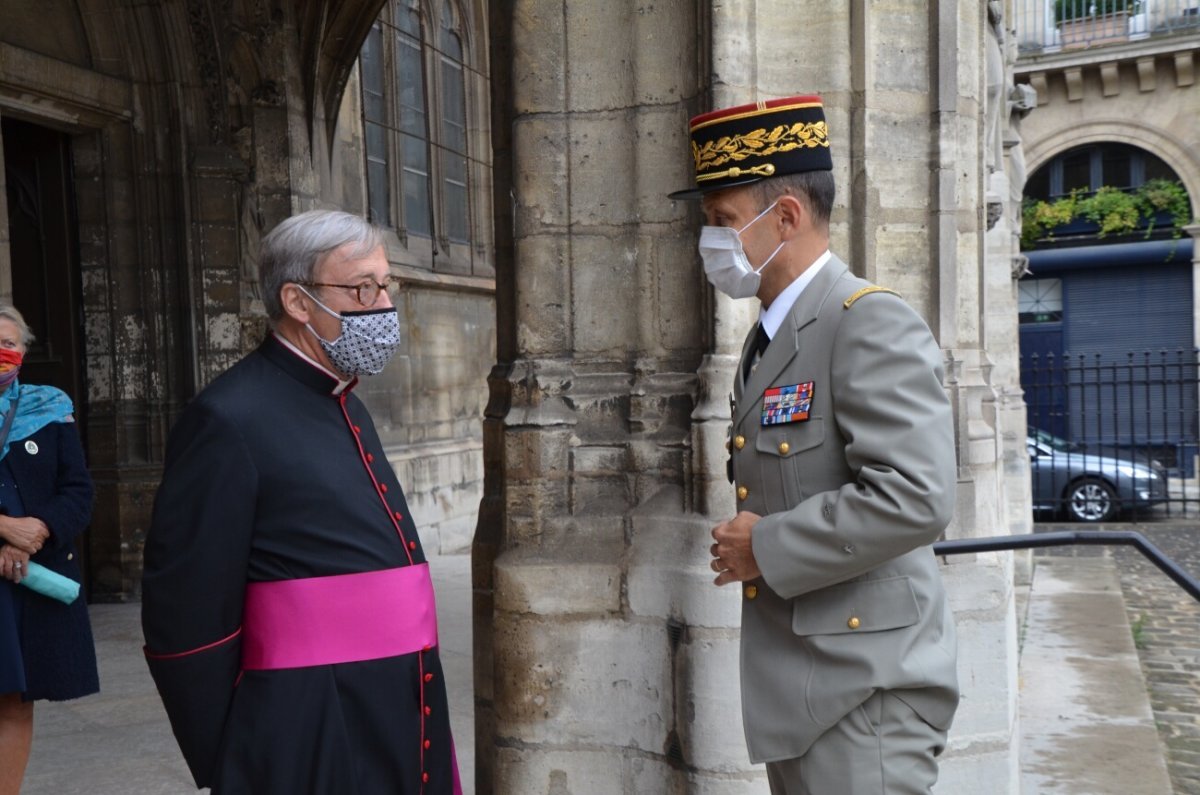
[874, 288]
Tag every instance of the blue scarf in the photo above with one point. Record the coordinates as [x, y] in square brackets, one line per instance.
[37, 407]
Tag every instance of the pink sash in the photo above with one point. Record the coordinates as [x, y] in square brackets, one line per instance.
[338, 619]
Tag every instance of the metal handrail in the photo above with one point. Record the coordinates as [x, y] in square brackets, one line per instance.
[960, 546]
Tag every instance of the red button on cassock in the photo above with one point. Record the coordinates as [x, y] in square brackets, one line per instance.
[383, 487]
[428, 677]
[412, 544]
[357, 429]
[429, 710]
[399, 515]
[425, 778]
[427, 744]
[370, 458]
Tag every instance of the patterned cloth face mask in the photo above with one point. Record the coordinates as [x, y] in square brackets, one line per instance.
[725, 262]
[367, 342]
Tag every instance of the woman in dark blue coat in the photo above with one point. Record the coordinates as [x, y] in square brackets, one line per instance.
[46, 649]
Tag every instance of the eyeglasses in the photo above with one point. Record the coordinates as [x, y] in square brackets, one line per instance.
[367, 292]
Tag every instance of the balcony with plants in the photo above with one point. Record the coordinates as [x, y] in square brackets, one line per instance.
[1158, 209]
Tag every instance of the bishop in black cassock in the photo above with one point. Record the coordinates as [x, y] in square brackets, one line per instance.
[275, 474]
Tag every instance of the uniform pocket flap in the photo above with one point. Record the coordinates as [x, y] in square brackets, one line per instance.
[791, 438]
[858, 606]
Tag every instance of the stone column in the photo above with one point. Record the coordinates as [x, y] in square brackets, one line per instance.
[592, 663]
[609, 661]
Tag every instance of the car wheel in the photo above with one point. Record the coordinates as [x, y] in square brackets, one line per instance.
[1091, 500]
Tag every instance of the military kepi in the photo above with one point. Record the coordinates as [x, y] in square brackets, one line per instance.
[737, 146]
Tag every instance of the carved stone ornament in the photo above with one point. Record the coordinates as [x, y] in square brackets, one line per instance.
[1020, 266]
[995, 209]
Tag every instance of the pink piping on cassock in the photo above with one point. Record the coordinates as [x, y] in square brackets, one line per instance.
[363, 455]
[189, 652]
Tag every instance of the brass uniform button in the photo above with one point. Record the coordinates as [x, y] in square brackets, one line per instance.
[739, 442]
[743, 492]
[783, 448]
[751, 591]
[853, 622]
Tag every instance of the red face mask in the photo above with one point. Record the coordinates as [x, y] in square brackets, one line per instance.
[10, 365]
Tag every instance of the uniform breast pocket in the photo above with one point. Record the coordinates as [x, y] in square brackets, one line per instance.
[780, 454]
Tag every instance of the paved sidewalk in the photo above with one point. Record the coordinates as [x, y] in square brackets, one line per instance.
[1086, 723]
[1084, 729]
[119, 742]
[1165, 622]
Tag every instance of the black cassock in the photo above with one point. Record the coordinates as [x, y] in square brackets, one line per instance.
[271, 475]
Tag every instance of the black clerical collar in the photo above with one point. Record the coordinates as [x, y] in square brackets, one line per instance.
[308, 372]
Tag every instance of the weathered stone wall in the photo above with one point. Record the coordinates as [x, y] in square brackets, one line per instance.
[192, 132]
[608, 320]
[428, 402]
[428, 407]
[607, 655]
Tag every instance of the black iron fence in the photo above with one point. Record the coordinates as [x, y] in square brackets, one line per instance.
[1113, 436]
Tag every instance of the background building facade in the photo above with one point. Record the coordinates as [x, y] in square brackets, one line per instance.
[1115, 123]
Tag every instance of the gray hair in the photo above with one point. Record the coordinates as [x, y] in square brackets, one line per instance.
[814, 188]
[9, 312]
[291, 251]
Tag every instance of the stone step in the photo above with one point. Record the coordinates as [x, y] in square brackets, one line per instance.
[1086, 725]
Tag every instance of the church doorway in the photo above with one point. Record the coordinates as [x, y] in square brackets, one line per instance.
[44, 249]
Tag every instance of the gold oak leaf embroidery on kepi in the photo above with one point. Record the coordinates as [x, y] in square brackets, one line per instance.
[760, 143]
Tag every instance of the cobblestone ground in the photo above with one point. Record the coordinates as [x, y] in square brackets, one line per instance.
[1166, 628]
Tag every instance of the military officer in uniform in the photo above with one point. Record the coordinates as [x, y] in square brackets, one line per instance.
[843, 464]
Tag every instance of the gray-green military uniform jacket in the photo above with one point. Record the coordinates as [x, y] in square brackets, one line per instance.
[852, 490]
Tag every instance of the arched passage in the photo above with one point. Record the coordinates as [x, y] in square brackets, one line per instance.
[1107, 319]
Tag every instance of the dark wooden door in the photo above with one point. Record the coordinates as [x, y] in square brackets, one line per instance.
[46, 282]
[45, 276]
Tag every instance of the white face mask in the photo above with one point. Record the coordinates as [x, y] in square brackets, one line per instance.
[725, 262]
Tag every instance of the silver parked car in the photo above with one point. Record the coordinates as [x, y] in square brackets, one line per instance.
[1091, 485]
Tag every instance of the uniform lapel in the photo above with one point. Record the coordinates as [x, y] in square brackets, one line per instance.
[786, 344]
[739, 383]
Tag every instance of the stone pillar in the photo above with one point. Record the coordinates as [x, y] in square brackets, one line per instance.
[592, 660]
[977, 325]
[610, 659]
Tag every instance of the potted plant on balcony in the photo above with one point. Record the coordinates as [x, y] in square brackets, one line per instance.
[1083, 23]
[1159, 205]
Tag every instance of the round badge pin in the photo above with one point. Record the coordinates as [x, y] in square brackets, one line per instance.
[31, 447]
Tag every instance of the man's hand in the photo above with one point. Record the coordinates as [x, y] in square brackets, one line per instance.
[24, 532]
[733, 557]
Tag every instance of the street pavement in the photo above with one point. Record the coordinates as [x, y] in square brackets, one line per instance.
[1165, 622]
[119, 741]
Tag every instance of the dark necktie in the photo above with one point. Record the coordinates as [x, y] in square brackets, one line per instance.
[761, 341]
